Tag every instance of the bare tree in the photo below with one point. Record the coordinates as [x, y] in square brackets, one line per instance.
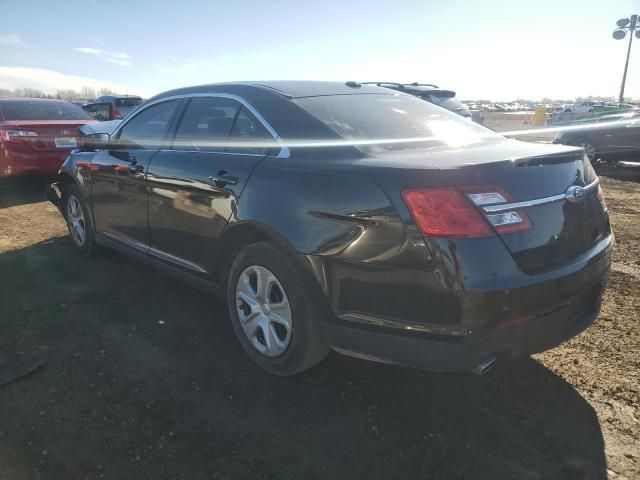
[87, 93]
[105, 91]
[68, 94]
[31, 92]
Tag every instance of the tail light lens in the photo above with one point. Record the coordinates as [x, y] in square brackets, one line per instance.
[453, 212]
[115, 113]
[17, 135]
[510, 221]
[445, 212]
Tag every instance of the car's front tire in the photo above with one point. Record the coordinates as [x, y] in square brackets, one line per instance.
[274, 312]
[78, 220]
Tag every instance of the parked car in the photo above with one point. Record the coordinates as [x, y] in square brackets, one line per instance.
[609, 139]
[430, 93]
[580, 107]
[36, 135]
[112, 107]
[601, 110]
[349, 217]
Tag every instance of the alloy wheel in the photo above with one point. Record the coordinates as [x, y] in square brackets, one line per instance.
[264, 311]
[75, 219]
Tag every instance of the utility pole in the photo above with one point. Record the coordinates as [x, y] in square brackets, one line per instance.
[626, 24]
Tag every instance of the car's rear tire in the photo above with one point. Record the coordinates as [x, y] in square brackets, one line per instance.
[274, 312]
[78, 220]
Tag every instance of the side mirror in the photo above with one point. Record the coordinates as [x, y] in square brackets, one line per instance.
[96, 141]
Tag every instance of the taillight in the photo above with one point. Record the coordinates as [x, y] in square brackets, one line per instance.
[453, 212]
[508, 221]
[115, 113]
[445, 212]
[17, 135]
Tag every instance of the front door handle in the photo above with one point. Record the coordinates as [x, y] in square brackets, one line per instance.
[223, 179]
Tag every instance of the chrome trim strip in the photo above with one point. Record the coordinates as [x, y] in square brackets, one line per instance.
[284, 150]
[534, 203]
[176, 260]
[142, 247]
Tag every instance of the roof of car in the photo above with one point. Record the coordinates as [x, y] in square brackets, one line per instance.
[30, 99]
[119, 96]
[306, 88]
[286, 88]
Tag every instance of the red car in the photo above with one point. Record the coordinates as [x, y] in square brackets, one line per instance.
[36, 135]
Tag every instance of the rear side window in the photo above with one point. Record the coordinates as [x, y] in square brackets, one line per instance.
[392, 122]
[42, 110]
[147, 129]
[249, 135]
[99, 111]
[206, 124]
[128, 102]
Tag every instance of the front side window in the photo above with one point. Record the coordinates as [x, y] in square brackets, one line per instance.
[148, 128]
[206, 124]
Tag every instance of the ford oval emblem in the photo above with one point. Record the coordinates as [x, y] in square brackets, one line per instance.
[574, 193]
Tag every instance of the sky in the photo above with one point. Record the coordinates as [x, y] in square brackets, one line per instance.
[490, 49]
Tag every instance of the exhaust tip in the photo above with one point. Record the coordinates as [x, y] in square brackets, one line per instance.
[484, 366]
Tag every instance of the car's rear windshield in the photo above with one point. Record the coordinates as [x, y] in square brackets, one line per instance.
[392, 121]
[128, 102]
[42, 110]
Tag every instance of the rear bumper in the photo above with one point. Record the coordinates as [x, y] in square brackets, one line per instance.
[42, 163]
[450, 353]
[553, 311]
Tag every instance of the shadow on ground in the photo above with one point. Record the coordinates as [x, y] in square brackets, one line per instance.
[22, 190]
[144, 379]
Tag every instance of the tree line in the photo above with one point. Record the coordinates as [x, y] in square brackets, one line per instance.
[85, 93]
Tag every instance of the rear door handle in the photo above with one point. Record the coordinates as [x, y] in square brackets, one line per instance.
[222, 179]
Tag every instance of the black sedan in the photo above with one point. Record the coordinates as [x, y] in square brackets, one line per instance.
[613, 138]
[349, 217]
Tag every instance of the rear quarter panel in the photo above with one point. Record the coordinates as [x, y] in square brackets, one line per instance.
[77, 169]
[326, 213]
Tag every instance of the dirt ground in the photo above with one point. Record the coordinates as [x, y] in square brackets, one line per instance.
[127, 373]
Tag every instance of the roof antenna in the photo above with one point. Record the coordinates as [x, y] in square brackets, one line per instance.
[353, 84]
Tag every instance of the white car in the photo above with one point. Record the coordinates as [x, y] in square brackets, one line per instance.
[581, 107]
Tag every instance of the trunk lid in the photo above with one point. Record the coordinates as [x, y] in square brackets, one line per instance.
[53, 135]
[564, 225]
[560, 231]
